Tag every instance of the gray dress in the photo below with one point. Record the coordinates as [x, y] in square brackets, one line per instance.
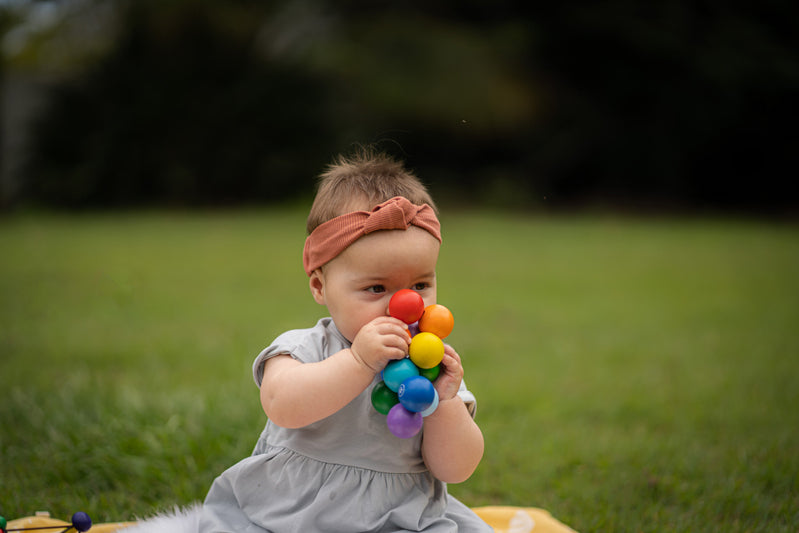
[346, 473]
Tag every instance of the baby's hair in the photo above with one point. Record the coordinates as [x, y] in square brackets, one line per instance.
[361, 181]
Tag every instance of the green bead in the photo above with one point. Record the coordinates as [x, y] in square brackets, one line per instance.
[430, 373]
[3, 523]
[383, 398]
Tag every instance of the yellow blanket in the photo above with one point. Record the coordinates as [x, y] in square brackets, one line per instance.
[504, 519]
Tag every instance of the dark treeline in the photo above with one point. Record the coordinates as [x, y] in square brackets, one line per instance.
[677, 104]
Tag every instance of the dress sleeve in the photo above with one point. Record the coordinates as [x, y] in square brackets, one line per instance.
[304, 345]
[268, 353]
[468, 398]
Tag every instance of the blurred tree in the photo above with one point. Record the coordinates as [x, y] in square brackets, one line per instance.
[682, 103]
[182, 112]
[450, 93]
[673, 104]
[509, 102]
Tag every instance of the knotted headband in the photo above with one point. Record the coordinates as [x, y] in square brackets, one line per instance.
[334, 236]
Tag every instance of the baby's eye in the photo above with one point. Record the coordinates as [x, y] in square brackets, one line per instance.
[376, 289]
[421, 286]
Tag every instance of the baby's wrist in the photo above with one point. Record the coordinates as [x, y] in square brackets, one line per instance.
[452, 398]
[447, 408]
[361, 362]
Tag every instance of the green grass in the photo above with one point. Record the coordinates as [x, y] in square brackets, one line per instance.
[631, 374]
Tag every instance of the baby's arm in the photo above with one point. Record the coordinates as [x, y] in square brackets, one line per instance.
[452, 445]
[295, 394]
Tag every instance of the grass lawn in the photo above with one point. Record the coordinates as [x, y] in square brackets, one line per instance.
[631, 374]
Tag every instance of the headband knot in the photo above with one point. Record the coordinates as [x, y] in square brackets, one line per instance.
[331, 238]
[390, 215]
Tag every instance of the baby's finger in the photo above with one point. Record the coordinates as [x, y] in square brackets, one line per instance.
[452, 365]
[389, 320]
[449, 350]
[394, 327]
[398, 340]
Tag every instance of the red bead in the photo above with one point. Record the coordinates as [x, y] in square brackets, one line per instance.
[406, 305]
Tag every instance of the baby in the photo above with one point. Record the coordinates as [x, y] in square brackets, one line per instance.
[326, 461]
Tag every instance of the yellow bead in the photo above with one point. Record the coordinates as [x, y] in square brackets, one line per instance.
[426, 350]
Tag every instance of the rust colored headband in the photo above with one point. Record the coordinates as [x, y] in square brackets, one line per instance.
[334, 236]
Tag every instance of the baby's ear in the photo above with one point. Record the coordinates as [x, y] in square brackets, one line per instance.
[317, 284]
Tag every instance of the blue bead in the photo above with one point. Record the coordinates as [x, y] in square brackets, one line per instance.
[433, 406]
[81, 521]
[416, 394]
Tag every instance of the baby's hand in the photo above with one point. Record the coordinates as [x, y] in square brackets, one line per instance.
[380, 341]
[449, 380]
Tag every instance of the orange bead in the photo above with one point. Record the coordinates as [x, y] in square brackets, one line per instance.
[438, 320]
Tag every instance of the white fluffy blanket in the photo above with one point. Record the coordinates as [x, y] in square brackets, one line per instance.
[186, 520]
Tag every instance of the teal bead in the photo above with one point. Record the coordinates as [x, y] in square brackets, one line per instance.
[398, 371]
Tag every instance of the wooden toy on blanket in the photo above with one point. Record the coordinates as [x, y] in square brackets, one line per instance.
[406, 394]
[80, 522]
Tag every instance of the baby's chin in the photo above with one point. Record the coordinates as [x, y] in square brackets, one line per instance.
[349, 335]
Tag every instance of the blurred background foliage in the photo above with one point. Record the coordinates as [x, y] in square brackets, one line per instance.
[126, 103]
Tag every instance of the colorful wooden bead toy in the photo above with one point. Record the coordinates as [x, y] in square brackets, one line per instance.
[80, 522]
[406, 394]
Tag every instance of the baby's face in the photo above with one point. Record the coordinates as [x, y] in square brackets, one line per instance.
[357, 285]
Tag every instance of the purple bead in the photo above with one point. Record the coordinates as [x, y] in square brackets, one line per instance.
[402, 423]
